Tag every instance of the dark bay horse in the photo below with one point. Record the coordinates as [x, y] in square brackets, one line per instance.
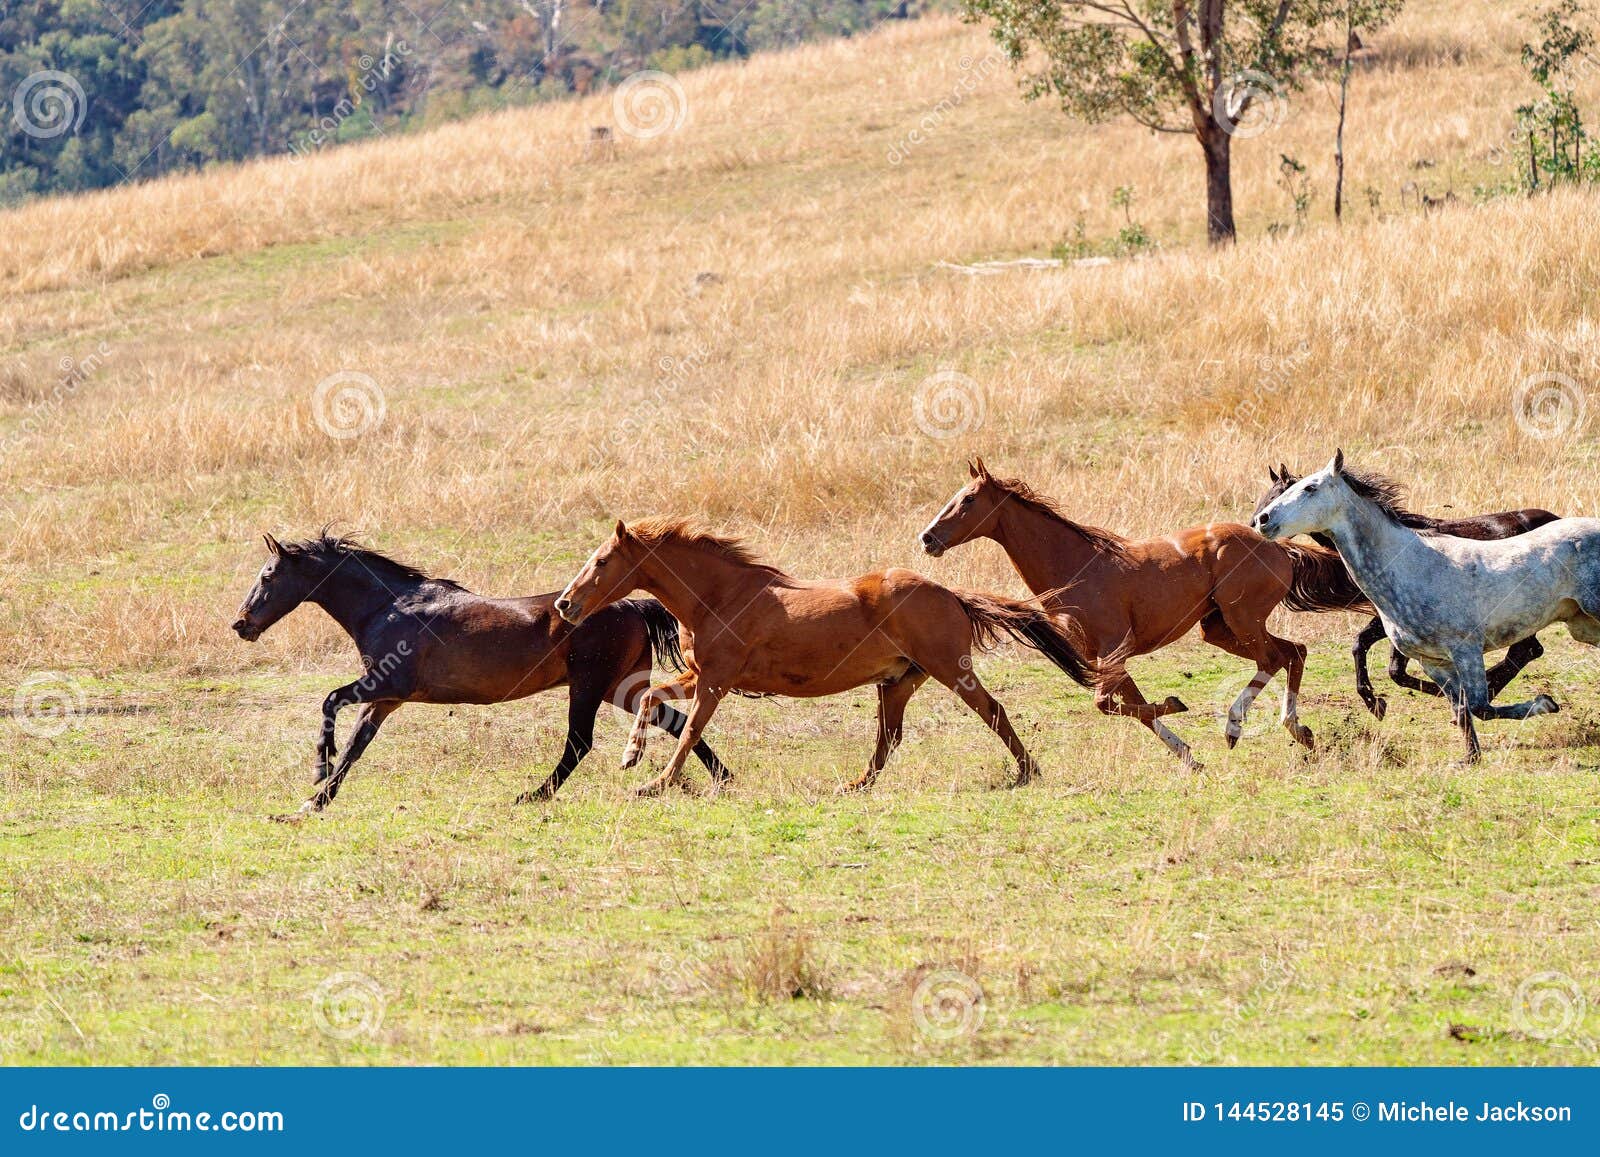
[429, 640]
[749, 627]
[1130, 598]
[1482, 528]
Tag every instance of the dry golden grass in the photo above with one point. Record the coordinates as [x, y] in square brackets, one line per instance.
[548, 355]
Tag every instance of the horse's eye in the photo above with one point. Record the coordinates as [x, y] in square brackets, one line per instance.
[598, 563]
[967, 501]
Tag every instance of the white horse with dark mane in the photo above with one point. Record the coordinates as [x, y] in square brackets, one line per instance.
[1445, 601]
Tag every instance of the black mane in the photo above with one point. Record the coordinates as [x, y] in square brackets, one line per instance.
[1386, 494]
[335, 549]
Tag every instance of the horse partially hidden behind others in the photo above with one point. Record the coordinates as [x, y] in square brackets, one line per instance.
[430, 640]
[1445, 601]
[1483, 527]
[749, 627]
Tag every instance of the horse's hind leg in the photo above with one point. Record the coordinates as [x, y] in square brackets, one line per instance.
[1117, 694]
[892, 699]
[673, 721]
[1518, 656]
[1399, 677]
[583, 704]
[961, 679]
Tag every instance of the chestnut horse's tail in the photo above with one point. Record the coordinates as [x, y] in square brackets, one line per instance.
[994, 618]
[1321, 581]
[662, 629]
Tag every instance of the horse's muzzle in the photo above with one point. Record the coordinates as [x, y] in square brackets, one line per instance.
[1262, 527]
[245, 631]
[931, 544]
[566, 609]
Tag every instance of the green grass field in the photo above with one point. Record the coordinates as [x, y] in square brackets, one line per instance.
[1373, 903]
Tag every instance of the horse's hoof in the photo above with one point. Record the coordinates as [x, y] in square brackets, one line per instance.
[1233, 740]
[1303, 736]
[1379, 707]
[540, 795]
[631, 759]
[1547, 705]
[652, 790]
[856, 787]
[1174, 705]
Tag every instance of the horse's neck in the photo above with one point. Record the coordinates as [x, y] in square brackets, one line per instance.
[713, 583]
[1373, 545]
[1046, 551]
[352, 597]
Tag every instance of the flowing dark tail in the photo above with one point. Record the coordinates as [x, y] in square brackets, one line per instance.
[994, 619]
[1321, 582]
[662, 629]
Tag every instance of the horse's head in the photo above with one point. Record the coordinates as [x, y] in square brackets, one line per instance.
[1309, 505]
[1281, 481]
[610, 573]
[969, 515]
[285, 581]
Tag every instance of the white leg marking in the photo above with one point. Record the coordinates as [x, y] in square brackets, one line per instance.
[1241, 705]
[1177, 746]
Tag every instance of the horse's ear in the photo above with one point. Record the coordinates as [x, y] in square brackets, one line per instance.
[273, 547]
[622, 531]
[1337, 465]
[979, 470]
[1272, 474]
[1283, 472]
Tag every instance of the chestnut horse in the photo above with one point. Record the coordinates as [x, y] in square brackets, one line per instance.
[1482, 527]
[751, 628]
[1131, 598]
[430, 640]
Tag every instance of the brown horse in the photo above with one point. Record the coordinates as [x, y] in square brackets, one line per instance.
[751, 628]
[1131, 598]
[430, 640]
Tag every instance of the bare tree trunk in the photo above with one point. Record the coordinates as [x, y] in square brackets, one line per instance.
[1219, 185]
[1338, 138]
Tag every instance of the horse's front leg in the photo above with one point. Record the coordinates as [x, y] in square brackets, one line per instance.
[683, 687]
[705, 705]
[1365, 641]
[337, 700]
[1456, 683]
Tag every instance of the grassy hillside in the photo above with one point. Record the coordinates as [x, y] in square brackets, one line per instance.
[746, 317]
